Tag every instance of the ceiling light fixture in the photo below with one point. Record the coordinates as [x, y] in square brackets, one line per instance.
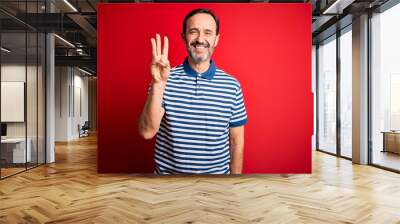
[5, 50]
[70, 5]
[337, 7]
[79, 51]
[64, 40]
[84, 71]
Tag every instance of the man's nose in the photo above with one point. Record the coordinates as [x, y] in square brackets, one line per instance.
[200, 37]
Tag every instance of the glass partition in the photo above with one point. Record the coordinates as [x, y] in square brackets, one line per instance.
[22, 78]
[14, 153]
[385, 88]
[327, 95]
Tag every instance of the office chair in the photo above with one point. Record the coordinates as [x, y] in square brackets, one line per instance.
[84, 130]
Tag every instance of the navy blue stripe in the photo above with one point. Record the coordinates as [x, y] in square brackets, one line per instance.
[165, 131]
[192, 129]
[175, 171]
[166, 91]
[189, 154]
[160, 140]
[169, 120]
[178, 140]
[168, 129]
[170, 108]
[177, 80]
[193, 99]
[191, 118]
[238, 123]
[199, 104]
[184, 165]
[184, 156]
[192, 86]
[219, 110]
[223, 110]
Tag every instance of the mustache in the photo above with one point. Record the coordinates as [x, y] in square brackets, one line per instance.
[198, 43]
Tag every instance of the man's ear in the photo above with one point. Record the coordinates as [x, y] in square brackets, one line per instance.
[183, 36]
[216, 40]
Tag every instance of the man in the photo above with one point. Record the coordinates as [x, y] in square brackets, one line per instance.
[196, 109]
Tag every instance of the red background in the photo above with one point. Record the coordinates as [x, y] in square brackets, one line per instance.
[267, 47]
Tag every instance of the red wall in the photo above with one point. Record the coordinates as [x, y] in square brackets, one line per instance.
[267, 47]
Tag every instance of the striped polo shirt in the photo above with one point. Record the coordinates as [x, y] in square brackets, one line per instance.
[199, 110]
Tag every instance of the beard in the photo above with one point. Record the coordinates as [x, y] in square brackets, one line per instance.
[197, 59]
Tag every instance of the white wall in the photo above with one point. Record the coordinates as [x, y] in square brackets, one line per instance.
[33, 127]
[92, 96]
[80, 84]
[71, 87]
[12, 73]
[16, 73]
[62, 78]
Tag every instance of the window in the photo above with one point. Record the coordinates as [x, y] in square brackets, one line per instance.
[327, 95]
[385, 88]
[346, 75]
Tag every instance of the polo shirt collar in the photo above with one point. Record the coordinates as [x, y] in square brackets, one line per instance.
[209, 74]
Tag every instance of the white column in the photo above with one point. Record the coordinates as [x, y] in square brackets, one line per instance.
[50, 100]
[360, 89]
[50, 92]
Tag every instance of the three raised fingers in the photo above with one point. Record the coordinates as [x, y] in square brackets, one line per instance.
[156, 47]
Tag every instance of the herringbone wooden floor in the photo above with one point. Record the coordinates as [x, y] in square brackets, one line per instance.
[71, 191]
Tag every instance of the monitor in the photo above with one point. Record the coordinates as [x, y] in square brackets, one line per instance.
[3, 129]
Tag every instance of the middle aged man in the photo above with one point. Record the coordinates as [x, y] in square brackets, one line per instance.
[196, 109]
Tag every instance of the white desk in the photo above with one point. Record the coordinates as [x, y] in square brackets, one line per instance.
[18, 150]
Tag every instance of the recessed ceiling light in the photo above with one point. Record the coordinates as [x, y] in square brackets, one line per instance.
[70, 5]
[5, 50]
[84, 71]
[338, 6]
[64, 40]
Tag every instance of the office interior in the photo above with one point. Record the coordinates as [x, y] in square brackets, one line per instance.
[49, 83]
[48, 77]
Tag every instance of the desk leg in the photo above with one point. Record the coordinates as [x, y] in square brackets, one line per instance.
[384, 142]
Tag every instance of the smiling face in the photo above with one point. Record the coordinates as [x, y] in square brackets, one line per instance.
[200, 37]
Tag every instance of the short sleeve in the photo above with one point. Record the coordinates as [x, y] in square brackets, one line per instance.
[148, 92]
[239, 115]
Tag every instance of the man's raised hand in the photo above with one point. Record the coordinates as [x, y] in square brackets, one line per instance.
[159, 67]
